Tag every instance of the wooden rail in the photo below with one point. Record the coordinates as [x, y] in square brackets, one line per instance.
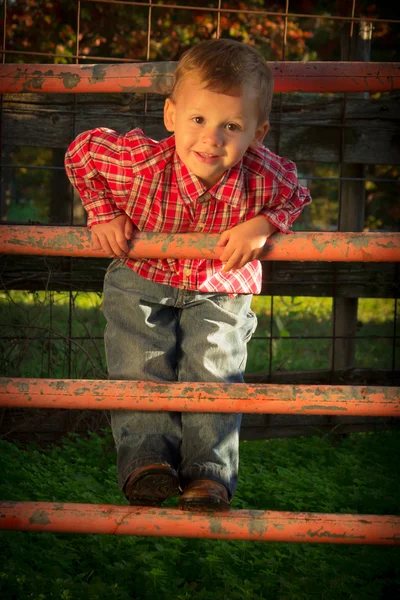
[302, 246]
[254, 525]
[200, 397]
[157, 77]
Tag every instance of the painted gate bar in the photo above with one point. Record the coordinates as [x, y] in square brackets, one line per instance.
[254, 525]
[302, 246]
[200, 397]
[156, 77]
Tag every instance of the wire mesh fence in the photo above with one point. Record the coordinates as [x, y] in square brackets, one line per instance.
[316, 322]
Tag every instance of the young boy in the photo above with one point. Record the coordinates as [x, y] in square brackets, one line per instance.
[186, 320]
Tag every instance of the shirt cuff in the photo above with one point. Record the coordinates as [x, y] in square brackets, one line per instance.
[280, 225]
[97, 219]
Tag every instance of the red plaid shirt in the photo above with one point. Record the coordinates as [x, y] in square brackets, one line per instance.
[133, 174]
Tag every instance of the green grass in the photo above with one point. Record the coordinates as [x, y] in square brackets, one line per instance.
[356, 475]
[47, 315]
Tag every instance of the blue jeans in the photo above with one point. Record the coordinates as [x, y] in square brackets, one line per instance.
[158, 333]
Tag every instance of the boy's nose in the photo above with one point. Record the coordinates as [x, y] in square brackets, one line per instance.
[213, 136]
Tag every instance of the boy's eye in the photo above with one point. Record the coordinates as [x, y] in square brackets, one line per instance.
[232, 127]
[198, 120]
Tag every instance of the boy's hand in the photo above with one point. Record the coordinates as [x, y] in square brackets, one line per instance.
[113, 237]
[245, 242]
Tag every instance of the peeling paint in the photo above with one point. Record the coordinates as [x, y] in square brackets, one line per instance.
[39, 517]
[99, 73]
[323, 533]
[35, 82]
[70, 80]
[216, 527]
[82, 391]
[364, 522]
[321, 408]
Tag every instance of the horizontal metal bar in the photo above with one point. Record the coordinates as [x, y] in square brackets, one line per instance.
[157, 77]
[200, 397]
[302, 246]
[252, 525]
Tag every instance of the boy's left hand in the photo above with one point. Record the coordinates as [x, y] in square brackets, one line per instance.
[245, 242]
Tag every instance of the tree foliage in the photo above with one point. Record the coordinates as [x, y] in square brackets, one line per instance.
[120, 31]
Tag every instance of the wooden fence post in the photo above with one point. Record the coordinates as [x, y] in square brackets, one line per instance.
[356, 45]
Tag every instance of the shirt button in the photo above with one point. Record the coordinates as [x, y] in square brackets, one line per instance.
[187, 272]
[201, 225]
[206, 196]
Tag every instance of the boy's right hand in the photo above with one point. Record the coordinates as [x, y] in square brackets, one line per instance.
[113, 237]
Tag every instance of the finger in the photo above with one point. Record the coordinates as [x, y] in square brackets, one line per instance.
[244, 259]
[128, 229]
[95, 241]
[232, 262]
[226, 254]
[105, 245]
[224, 238]
[228, 251]
[241, 263]
[115, 244]
[121, 243]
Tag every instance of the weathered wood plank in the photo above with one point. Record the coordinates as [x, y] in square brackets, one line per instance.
[157, 77]
[358, 280]
[41, 425]
[352, 196]
[309, 126]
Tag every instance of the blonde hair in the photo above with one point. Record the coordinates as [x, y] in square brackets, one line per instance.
[227, 66]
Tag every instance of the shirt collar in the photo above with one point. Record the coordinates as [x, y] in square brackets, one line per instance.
[229, 189]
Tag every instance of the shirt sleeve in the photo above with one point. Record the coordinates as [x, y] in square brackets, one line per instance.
[288, 200]
[97, 165]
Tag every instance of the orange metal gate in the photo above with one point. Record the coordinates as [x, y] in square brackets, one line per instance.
[69, 241]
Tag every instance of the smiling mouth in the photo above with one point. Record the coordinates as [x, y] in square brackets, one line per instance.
[205, 157]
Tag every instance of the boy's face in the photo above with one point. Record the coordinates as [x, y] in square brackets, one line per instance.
[212, 130]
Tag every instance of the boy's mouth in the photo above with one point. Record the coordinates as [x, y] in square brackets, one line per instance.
[206, 158]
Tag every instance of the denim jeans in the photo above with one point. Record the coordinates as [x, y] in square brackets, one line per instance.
[158, 333]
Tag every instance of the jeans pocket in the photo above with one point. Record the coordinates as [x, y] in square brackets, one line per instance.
[114, 264]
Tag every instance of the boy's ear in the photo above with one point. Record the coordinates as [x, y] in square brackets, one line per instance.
[169, 115]
[260, 134]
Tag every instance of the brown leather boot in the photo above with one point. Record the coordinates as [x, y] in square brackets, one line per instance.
[204, 494]
[151, 485]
